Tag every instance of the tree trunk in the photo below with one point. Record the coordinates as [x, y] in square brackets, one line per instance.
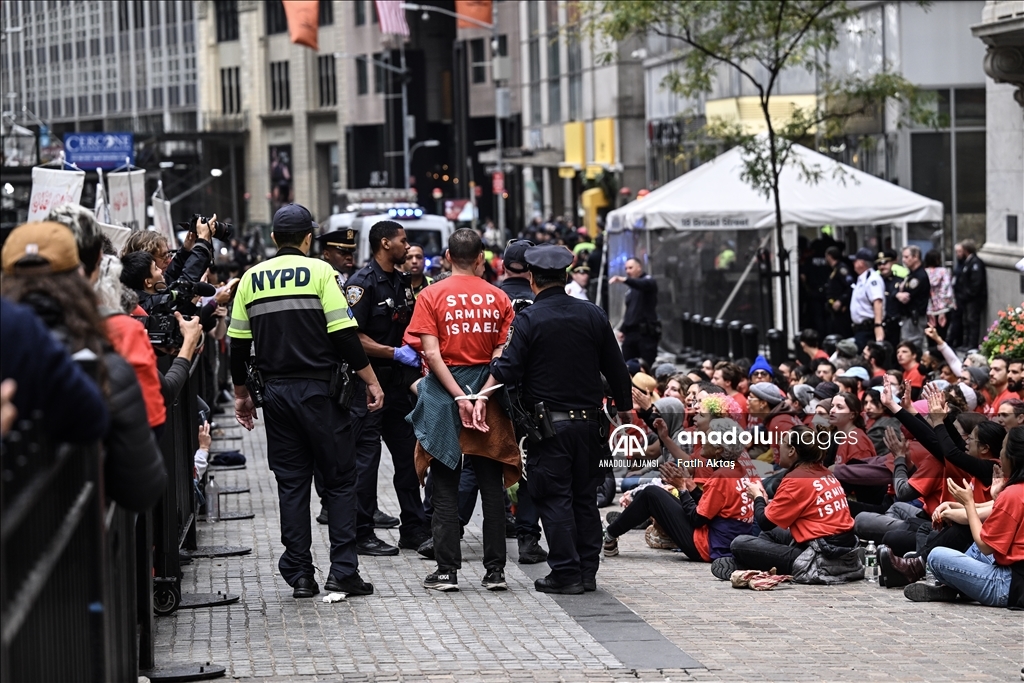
[783, 254]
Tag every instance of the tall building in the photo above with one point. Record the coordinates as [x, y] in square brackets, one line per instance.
[1002, 31]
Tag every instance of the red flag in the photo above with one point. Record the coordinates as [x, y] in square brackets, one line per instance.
[476, 9]
[303, 17]
[392, 17]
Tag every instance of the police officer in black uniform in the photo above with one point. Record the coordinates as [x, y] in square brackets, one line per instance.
[517, 286]
[640, 329]
[381, 299]
[914, 294]
[839, 291]
[886, 258]
[339, 249]
[970, 288]
[293, 309]
[557, 350]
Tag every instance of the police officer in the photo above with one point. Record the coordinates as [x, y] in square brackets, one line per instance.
[517, 286]
[557, 350]
[415, 264]
[640, 330]
[293, 309]
[886, 263]
[838, 291]
[381, 299]
[914, 294]
[339, 249]
[970, 288]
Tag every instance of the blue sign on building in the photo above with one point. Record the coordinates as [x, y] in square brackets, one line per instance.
[99, 150]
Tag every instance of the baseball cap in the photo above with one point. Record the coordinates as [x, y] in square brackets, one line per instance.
[858, 372]
[865, 254]
[293, 218]
[514, 258]
[47, 246]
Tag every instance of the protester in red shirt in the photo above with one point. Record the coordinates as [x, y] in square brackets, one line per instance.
[703, 529]
[728, 376]
[984, 572]
[908, 356]
[463, 322]
[999, 383]
[809, 504]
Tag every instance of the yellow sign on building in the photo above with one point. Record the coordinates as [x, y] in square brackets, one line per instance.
[747, 110]
[604, 142]
[575, 134]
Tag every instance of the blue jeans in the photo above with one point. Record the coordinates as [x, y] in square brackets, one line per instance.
[972, 573]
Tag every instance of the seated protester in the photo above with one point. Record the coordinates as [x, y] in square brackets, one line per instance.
[670, 411]
[1010, 413]
[676, 386]
[705, 527]
[728, 376]
[768, 404]
[877, 356]
[990, 571]
[798, 375]
[808, 512]
[908, 356]
[810, 345]
[976, 378]
[877, 419]
[825, 370]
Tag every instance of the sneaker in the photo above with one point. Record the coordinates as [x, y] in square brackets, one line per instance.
[723, 568]
[384, 521]
[374, 547]
[351, 585]
[494, 581]
[530, 551]
[611, 545]
[442, 581]
[924, 592]
[305, 588]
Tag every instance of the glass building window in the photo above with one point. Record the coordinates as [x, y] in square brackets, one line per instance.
[227, 20]
[575, 55]
[478, 66]
[277, 22]
[379, 73]
[280, 87]
[327, 81]
[230, 91]
[360, 10]
[362, 77]
[554, 78]
[326, 16]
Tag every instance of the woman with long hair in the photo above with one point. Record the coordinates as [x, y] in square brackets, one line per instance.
[809, 504]
[990, 572]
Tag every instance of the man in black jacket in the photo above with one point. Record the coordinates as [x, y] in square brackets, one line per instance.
[913, 295]
[970, 288]
[640, 330]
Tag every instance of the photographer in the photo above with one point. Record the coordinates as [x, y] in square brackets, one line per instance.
[141, 273]
[189, 262]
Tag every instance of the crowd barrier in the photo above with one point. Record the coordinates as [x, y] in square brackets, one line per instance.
[706, 337]
[83, 579]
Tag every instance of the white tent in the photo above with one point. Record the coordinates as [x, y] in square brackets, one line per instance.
[713, 204]
[714, 196]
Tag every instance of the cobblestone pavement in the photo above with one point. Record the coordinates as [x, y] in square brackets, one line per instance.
[404, 633]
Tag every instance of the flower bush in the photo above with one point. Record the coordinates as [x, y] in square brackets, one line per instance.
[1006, 335]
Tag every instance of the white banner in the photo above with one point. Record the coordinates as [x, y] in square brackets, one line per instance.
[126, 197]
[51, 188]
[162, 220]
[116, 234]
[101, 210]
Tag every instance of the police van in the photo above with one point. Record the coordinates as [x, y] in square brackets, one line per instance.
[427, 230]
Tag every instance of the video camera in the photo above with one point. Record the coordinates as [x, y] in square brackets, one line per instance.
[221, 231]
[161, 325]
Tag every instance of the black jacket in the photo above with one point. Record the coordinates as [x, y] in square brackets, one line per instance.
[970, 282]
[134, 471]
[919, 287]
[641, 303]
[192, 264]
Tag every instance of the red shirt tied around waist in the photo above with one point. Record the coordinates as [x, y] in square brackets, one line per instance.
[811, 503]
[469, 317]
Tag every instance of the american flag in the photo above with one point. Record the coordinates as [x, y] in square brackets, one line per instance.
[392, 17]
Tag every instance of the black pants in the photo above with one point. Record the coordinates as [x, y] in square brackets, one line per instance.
[389, 423]
[656, 502]
[305, 428]
[636, 345]
[526, 512]
[562, 484]
[918, 536]
[445, 523]
[773, 548]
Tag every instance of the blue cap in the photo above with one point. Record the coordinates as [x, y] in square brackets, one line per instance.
[293, 218]
[514, 259]
[865, 254]
[548, 257]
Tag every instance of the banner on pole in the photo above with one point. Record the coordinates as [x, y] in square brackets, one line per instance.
[303, 16]
[162, 221]
[127, 198]
[116, 234]
[51, 188]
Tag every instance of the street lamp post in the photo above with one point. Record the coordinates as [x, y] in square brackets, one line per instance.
[493, 28]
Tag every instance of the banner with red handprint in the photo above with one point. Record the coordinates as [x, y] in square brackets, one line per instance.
[51, 188]
[127, 198]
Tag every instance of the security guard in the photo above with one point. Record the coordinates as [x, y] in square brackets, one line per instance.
[293, 309]
[557, 350]
[339, 249]
[640, 329]
[381, 299]
[914, 293]
[517, 286]
[886, 264]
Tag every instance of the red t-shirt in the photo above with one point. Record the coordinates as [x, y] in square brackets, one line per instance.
[929, 477]
[741, 401]
[777, 426]
[820, 353]
[914, 376]
[856, 446]
[1003, 531]
[128, 337]
[469, 317]
[811, 503]
[1005, 396]
[725, 495]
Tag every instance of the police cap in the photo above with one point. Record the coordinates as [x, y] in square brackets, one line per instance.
[293, 218]
[548, 257]
[514, 259]
[344, 238]
[864, 254]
